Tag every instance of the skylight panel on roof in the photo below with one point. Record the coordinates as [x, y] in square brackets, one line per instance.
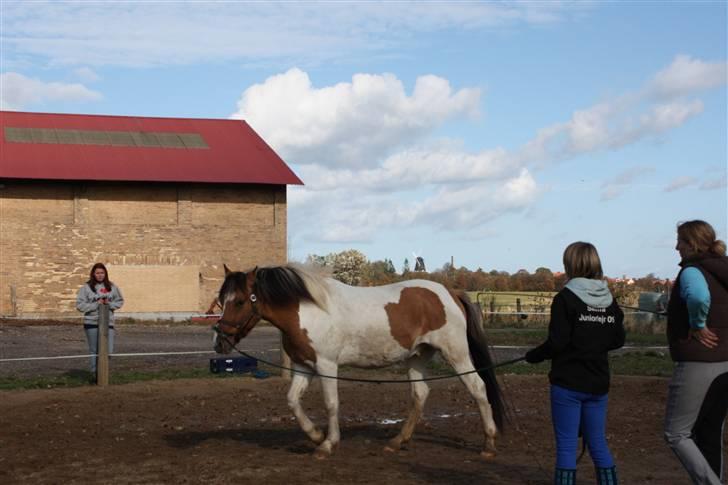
[193, 140]
[19, 135]
[170, 140]
[69, 137]
[95, 137]
[121, 139]
[44, 135]
[146, 139]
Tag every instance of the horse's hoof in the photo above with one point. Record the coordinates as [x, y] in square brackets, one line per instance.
[488, 455]
[321, 455]
[323, 451]
[317, 437]
[393, 446]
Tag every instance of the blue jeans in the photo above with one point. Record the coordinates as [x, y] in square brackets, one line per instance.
[569, 410]
[92, 337]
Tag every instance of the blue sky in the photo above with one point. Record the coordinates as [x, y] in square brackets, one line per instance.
[492, 132]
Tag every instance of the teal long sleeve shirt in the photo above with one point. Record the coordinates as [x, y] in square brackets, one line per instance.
[694, 290]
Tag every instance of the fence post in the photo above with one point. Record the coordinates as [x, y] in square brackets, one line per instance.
[102, 357]
[14, 300]
[492, 310]
[285, 362]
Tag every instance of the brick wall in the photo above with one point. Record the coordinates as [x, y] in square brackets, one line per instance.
[51, 233]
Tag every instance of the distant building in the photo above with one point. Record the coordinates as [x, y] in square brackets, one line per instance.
[164, 202]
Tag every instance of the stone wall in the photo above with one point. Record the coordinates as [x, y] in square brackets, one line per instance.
[155, 236]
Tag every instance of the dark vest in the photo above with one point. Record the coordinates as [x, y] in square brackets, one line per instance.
[715, 272]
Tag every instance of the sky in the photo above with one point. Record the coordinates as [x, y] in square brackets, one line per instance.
[492, 133]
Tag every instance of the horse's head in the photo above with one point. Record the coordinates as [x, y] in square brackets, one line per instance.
[239, 309]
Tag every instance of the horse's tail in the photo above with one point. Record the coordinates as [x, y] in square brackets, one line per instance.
[482, 359]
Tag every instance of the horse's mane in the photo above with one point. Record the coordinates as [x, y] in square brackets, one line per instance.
[282, 285]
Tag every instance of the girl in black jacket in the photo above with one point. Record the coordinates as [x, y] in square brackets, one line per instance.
[585, 324]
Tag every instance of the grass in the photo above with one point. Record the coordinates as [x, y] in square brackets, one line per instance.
[535, 336]
[629, 364]
[508, 298]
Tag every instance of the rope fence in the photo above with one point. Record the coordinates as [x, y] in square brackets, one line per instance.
[80, 317]
[202, 352]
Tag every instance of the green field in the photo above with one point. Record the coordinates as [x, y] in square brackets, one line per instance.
[528, 299]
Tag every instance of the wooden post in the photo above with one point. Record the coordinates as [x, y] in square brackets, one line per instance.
[285, 362]
[14, 300]
[522, 316]
[102, 357]
[492, 310]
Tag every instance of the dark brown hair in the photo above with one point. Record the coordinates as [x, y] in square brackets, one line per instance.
[581, 260]
[700, 238]
[92, 281]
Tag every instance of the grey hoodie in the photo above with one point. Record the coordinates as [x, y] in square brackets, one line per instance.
[594, 293]
[87, 302]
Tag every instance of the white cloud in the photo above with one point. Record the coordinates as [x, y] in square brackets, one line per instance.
[415, 168]
[680, 183]
[364, 150]
[613, 188]
[86, 74]
[158, 33]
[626, 119]
[18, 91]
[687, 75]
[719, 182]
[355, 215]
[349, 124]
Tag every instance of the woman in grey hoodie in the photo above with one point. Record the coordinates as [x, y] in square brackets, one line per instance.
[585, 324]
[98, 289]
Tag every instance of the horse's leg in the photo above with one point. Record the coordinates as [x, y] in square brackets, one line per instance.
[299, 384]
[476, 387]
[331, 401]
[420, 390]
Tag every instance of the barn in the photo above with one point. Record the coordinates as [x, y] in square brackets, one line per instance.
[163, 202]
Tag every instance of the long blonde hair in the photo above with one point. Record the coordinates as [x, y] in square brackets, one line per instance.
[700, 238]
[581, 260]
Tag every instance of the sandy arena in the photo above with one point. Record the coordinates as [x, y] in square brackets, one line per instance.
[239, 430]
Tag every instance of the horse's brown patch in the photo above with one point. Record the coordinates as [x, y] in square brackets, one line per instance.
[295, 339]
[418, 312]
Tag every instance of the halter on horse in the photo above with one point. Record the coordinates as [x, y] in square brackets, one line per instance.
[326, 324]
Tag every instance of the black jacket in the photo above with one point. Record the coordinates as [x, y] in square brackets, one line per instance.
[715, 271]
[579, 338]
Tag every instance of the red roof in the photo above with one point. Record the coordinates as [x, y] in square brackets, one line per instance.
[234, 153]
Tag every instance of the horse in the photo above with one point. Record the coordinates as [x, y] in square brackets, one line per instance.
[326, 324]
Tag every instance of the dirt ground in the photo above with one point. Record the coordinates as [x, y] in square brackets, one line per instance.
[239, 430]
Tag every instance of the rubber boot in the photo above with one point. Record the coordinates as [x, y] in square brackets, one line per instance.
[607, 476]
[564, 476]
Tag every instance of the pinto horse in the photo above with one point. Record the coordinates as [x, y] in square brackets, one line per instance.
[326, 324]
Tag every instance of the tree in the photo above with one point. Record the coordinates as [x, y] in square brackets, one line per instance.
[405, 267]
[543, 280]
[349, 266]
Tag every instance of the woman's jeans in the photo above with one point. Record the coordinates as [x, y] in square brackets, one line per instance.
[686, 395]
[571, 410]
[92, 337]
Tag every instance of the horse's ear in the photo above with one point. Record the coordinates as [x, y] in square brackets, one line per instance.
[250, 277]
[227, 270]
